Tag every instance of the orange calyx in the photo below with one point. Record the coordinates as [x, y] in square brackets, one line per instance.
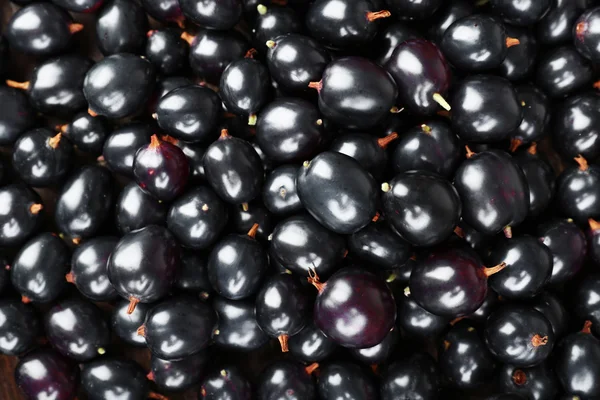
[385, 141]
[514, 144]
[373, 15]
[250, 53]
[532, 149]
[141, 331]
[133, 302]
[76, 241]
[537, 340]
[74, 28]
[150, 32]
[316, 85]
[580, 30]
[25, 300]
[157, 396]
[594, 225]
[494, 270]
[35, 208]
[510, 42]
[54, 141]
[61, 128]
[311, 368]
[507, 232]
[345, 253]
[376, 217]
[283, 342]
[154, 142]
[587, 327]
[187, 37]
[224, 134]
[469, 152]
[92, 112]
[253, 230]
[596, 85]
[70, 277]
[17, 85]
[455, 320]
[314, 280]
[519, 377]
[458, 231]
[150, 376]
[170, 139]
[583, 164]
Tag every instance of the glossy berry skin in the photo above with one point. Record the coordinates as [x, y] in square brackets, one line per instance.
[274, 22]
[242, 221]
[77, 329]
[414, 9]
[359, 299]
[282, 308]
[45, 373]
[515, 13]
[137, 209]
[476, 116]
[212, 14]
[198, 106]
[166, 50]
[575, 363]
[575, 127]
[354, 382]
[87, 133]
[563, 71]
[88, 268]
[446, 16]
[379, 246]
[370, 151]
[79, 6]
[193, 276]
[177, 376]
[286, 380]
[538, 382]
[86, 196]
[502, 198]
[519, 335]
[536, 114]
[343, 199]
[528, 267]
[431, 146]
[296, 60]
[568, 246]
[21, 213]
[577, 191]
[44, 260]
[227, 383]
[127, 90]
[121, 27]
[16, 115]
[593, 238]
[120, 147]
[417, 322]
[288, 130]
[449, 283]
[280, 195]
[236, 327]
[379, 353]
[236, 266]
[197, 218]
[421, 196]
[557, 25]
[33, 21]
[520, 60]
[342, 25]
[164, 10]
[195, 156]
[102, 378]
[233, 169]
[540, 180]
[144, 264]
[211, 51]
[178, 327]
[417, 90]
[166, 84]
[311, 345]
[343, 103]
[464, 360]
[553, 309]
[583, 304]
[297, 243]
[244, 87]
[55, 87]
[414, 377]
[585, 34]
[19, 327]
[125, 325]
[475, 43]
[161, 169]
[41, 158]
[389, 38]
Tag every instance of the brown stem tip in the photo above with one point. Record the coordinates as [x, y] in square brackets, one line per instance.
[224, 134]
[154, 142]
[385, 141]
[458, 231]
[313, 279]
[469, 152]
[532, 149]
[587, 327]
[70, 277]
[519, 377]
[596, 85]
[376, 217]
[583, 164]
[187, 37]
[141, 331]
[311, 368]
[594, 225]
[17, 85]
[133, 302]
[35, 208]
[510, 42]
[25, 300]
[580, 30]
[316, 85]
[515, 144]
[250, 53]
[74, 28]
[283, 342]
[494, 270]
[150, 32]
[150, 376]
[253, 230]
[92, 112]
[373, 15]
[537, 340]
[157, 396]
[54, 141]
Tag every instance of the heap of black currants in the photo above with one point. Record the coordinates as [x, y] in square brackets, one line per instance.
[300, 199]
